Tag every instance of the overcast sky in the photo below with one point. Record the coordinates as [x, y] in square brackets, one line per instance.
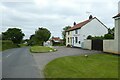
[54, 15]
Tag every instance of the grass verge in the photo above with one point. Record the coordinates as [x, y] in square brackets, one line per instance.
[95, 66]
[41, 49]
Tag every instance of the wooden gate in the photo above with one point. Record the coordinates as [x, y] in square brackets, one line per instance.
[97, 45]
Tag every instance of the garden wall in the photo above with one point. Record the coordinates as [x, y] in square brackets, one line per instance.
[109, 46]
[87, 44]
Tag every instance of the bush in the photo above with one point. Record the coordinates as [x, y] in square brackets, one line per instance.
[7, 44]
[96, 37]
[109, 36]
[106, 36]
[89, 37]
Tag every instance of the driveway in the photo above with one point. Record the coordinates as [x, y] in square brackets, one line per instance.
[43, 58]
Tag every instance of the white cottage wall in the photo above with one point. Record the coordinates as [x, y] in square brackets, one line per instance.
[93, 28]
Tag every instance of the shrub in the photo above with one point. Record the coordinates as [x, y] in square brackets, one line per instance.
[89, 37]
[109, 36]
[7, 44]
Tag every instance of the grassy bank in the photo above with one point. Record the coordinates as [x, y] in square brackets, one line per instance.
[95, 66]
[41, 49]
[7, 44]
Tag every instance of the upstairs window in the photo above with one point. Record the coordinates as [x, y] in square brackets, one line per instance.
[69, 33]
[76, 31]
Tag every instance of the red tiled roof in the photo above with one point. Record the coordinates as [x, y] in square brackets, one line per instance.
[79, 25]
[118, 15]
[55, 38]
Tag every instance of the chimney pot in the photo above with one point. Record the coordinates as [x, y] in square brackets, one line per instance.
[90, 17]
[74, 23]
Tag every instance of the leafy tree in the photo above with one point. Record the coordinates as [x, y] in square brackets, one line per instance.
[89, 37]
[110, 34]
[111, 31]
[33, 40]
[42, 34]
[13, 34]
[64, 32]
[25, 41]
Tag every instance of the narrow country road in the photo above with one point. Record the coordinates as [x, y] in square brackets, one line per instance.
[19, 63]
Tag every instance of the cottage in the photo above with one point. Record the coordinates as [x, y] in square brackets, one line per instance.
[56, 39]
[93, 26]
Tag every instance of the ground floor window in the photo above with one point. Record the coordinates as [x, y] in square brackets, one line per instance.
[76, 39]
[71, 39]
[68, 40]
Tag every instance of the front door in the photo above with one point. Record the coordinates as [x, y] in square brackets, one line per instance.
[73, 41]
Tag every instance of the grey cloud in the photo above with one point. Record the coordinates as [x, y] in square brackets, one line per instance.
[54, 16]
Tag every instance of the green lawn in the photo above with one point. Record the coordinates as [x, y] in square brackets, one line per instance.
[95, 66]
[41, 49]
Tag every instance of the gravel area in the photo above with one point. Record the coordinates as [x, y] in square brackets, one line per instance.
[44, 58]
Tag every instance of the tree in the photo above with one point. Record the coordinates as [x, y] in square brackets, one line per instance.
[110, 34]
[89, 37]
[33, 40]
[64, 32]
[41, 35]
[13, 34]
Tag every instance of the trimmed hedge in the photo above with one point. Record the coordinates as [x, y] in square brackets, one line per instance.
[7, 44]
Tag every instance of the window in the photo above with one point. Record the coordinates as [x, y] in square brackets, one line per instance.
[68, 40]
[76, 31]
[71, 39]
[76, 39]
[68, 33]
